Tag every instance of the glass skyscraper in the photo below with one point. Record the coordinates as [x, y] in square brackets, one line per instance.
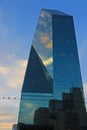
[53, 66]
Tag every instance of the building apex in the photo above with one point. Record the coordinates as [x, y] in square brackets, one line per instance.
[55, 12]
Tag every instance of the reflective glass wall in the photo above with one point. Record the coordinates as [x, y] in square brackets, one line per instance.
[52, 84]
[37, 88]
[65, 56]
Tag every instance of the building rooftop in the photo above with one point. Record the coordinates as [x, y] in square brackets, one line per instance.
[55, 12]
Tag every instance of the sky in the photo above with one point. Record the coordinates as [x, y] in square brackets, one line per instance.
[18, 19]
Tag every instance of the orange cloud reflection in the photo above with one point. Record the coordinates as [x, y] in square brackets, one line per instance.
[44, 39]
[49, 45]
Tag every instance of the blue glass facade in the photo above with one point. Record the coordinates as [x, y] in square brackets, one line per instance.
[53, 66]
[66, 67]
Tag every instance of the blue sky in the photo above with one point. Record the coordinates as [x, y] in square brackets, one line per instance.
[18, 19]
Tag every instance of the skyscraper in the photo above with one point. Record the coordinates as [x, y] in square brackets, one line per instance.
[53, 66]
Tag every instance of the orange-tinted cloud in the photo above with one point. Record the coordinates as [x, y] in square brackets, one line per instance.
[44, 39]
[6, 126]
[49, 45]
[3, 69]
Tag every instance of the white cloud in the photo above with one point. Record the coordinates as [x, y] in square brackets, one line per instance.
[13, 72]
[22, 63]
[43, 14]
[85, 91]
[12, 75]
[48, 61]
[41, 22]
[16, 74]
[3, 69]
[29, 105]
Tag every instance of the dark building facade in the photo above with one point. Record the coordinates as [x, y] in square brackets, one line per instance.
[53, 70]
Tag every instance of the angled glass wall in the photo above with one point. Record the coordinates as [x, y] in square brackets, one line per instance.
[53, 71]
[37, 88]
[42, 41]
